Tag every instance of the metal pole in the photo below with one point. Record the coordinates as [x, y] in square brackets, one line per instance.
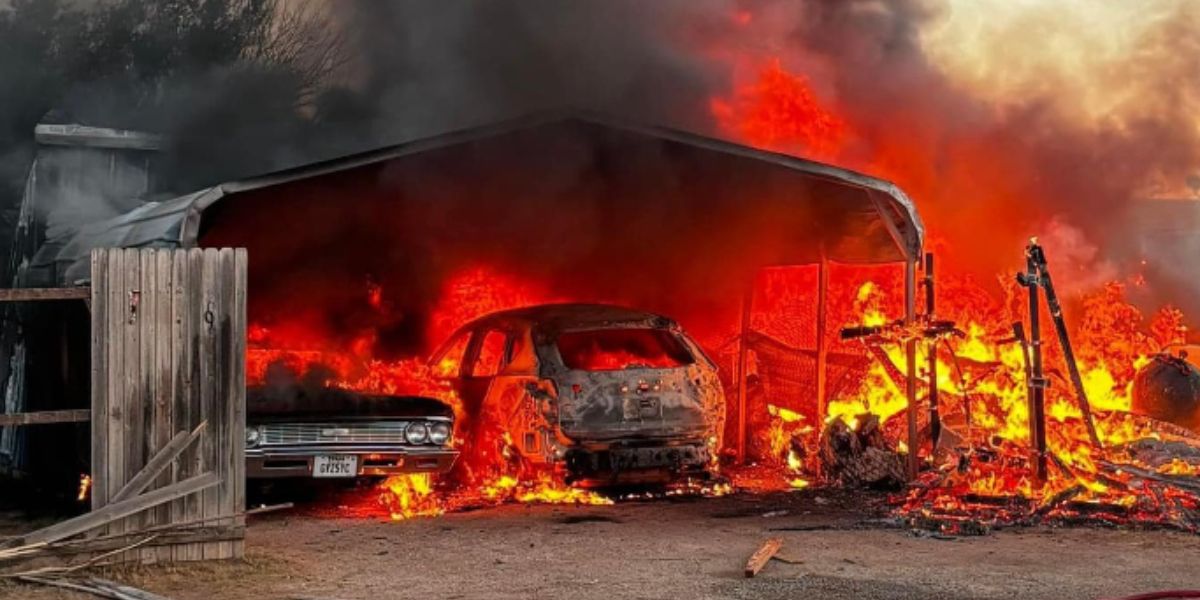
[910, 349]
[822, 349]
[935, 420]
[743, 356]
[1037, 381]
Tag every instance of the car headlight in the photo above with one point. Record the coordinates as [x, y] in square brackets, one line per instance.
[439, 432]
[253, 437]
[416, 433]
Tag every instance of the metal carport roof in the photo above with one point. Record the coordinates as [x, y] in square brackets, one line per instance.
[876, 221]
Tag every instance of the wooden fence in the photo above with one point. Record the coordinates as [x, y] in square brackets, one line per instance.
[168, 356]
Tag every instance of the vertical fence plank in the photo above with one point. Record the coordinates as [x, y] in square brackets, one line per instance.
[192, 353]
[206, 324]
[190, 381]
[179, 384]
[236, 394]
[144, 399]
[161, 369]
[116, 377]
[99, 424]
[132, 398]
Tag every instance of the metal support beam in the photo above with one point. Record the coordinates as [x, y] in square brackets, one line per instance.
[935, 420]
[822, 346]
[910, 351]
[742, 359]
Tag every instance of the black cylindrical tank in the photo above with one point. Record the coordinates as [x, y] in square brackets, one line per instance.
[1168, 389]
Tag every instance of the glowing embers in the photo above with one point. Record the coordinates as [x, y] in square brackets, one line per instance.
[542, 488]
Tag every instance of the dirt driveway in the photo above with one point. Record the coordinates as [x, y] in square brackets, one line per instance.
[668, 549]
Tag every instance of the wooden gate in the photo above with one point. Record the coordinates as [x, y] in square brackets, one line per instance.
[168, 371]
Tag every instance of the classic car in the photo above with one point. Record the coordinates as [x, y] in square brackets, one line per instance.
[334, 433]
[608, 394]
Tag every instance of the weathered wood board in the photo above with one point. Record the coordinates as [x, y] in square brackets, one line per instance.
[168, 352]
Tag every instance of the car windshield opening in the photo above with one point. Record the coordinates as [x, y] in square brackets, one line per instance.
[616, 349]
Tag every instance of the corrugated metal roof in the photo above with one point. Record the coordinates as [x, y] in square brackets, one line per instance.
[881, 206]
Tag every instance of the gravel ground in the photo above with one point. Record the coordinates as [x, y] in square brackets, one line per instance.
[667, 549]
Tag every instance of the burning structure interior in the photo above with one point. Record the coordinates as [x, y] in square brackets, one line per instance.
[351, 258]
[359, 267]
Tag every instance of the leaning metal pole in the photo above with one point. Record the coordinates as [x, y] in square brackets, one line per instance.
[910, 350]
[935, 421]
[1038, 257]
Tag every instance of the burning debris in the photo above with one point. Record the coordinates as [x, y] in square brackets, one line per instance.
[977, 451]
[860, 456]
[1050, 459]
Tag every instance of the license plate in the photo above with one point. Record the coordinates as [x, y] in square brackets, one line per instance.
[335, 466]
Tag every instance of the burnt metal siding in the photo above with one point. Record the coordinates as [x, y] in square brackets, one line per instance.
[169, 352]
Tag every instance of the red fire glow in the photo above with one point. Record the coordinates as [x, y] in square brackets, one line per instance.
[779, 111]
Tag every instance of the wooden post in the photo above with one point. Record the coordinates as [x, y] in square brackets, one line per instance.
[168, 352]
[910, 351]
[742, 367]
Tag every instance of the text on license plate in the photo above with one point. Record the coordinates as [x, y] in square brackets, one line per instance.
[335, 466]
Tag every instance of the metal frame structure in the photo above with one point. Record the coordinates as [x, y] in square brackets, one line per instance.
[877, 212]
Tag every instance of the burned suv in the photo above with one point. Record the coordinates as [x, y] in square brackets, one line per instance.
[608, 394]
[334, 433]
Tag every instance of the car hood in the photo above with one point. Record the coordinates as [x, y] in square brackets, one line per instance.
[298, 404]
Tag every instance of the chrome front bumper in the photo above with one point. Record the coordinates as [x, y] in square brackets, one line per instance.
[374, 460]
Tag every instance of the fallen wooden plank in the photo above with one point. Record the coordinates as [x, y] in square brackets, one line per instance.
[164, 537]
[1186, 483]
[10, 553]
[30, 294]
[93, 561]
[122, 591]
[44, 417]
[759, 559]
[118, 510]
[161, 460]
[66, 585]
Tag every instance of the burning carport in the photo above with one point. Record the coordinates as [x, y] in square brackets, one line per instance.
[588, 206]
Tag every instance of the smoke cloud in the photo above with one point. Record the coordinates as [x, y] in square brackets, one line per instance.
[1001, 119]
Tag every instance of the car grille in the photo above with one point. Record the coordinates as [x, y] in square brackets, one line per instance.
[287, 434]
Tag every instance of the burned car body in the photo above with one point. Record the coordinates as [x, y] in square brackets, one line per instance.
[607, 394]
[334, 433]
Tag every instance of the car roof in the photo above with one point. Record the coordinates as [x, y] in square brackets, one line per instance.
[554, 318]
